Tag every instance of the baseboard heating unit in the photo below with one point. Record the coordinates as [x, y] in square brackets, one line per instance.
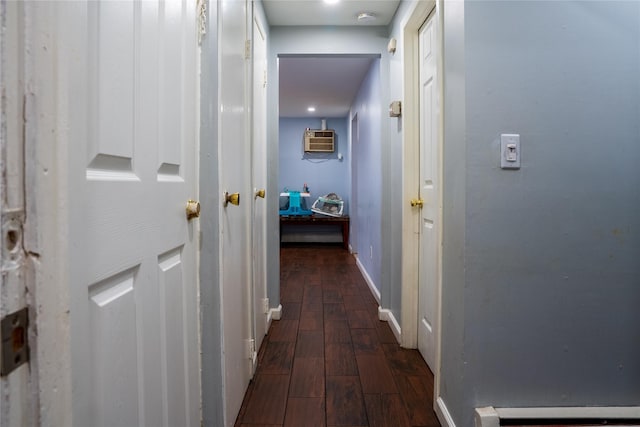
[628, 416]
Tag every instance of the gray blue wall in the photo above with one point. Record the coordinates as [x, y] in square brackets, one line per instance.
[323, 172]
[541, 279]
[367, 153]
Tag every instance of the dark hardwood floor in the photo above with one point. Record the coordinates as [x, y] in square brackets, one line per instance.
[329, 361]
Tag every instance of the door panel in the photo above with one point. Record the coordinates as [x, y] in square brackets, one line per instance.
[170, 282]
[112, 311]
[111, 64]
[170, 102]
[130, 74]
[429, 192]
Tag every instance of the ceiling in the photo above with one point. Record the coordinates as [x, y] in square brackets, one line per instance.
[327, 82]
[317, 12]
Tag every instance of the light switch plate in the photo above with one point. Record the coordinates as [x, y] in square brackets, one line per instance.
[510, 154]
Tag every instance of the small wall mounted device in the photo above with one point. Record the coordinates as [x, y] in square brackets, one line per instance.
[395, 109]
[391, 47]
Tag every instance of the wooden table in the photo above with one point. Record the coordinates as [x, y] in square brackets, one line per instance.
[319, 220]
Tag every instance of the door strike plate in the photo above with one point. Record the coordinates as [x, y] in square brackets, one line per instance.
[15, 348]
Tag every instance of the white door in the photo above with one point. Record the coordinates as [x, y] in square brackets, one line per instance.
[235, 177]
[129, 81]
[259, 159]
[429, 192]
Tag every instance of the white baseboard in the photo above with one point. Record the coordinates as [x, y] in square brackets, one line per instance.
[386, 315]
[443, 413]
[490, 417]
[372, 286]
[274, 314]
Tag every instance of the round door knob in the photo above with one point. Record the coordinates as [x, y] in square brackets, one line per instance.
[259, 193]
[233, 198]
[193, 209]
[417, 202]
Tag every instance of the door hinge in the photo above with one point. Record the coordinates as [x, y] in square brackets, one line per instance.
[15, 346]
[264, 84]
[265, 306]
[247, 49]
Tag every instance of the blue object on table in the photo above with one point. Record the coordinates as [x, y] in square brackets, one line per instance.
[295, 207]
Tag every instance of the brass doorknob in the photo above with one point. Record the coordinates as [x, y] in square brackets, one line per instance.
[259, 193]
[417, 202]
[193, 209]
[234, 199]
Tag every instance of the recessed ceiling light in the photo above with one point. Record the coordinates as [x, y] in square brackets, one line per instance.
[331, 1]
[311, 109]
[366, 17]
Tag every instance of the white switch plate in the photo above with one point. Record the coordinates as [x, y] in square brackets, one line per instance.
[510, 151]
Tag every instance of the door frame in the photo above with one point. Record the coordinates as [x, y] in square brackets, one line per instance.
[20, 256]
[211, 376]
[411, 177]
[353, 172]
[47, 205]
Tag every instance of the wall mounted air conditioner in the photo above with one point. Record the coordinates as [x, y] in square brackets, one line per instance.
[319, 141]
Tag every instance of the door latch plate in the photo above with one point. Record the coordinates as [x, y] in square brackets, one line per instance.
[15, 348]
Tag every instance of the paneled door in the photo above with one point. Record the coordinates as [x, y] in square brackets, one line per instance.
[259, 169]
[128, 100]
[429, 193]
[236, 222]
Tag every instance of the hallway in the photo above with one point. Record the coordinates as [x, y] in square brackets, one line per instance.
[329, 361]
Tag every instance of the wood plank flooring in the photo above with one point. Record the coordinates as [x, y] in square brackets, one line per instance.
[329, 361]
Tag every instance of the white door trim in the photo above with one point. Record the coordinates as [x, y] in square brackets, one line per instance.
[19, 260]
[411, 177]
[47, 207]
[353, 173]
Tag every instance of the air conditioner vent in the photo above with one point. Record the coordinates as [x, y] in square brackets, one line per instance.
[319, 141]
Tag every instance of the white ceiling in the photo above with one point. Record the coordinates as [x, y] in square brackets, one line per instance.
[317, 12]
[329, 83]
